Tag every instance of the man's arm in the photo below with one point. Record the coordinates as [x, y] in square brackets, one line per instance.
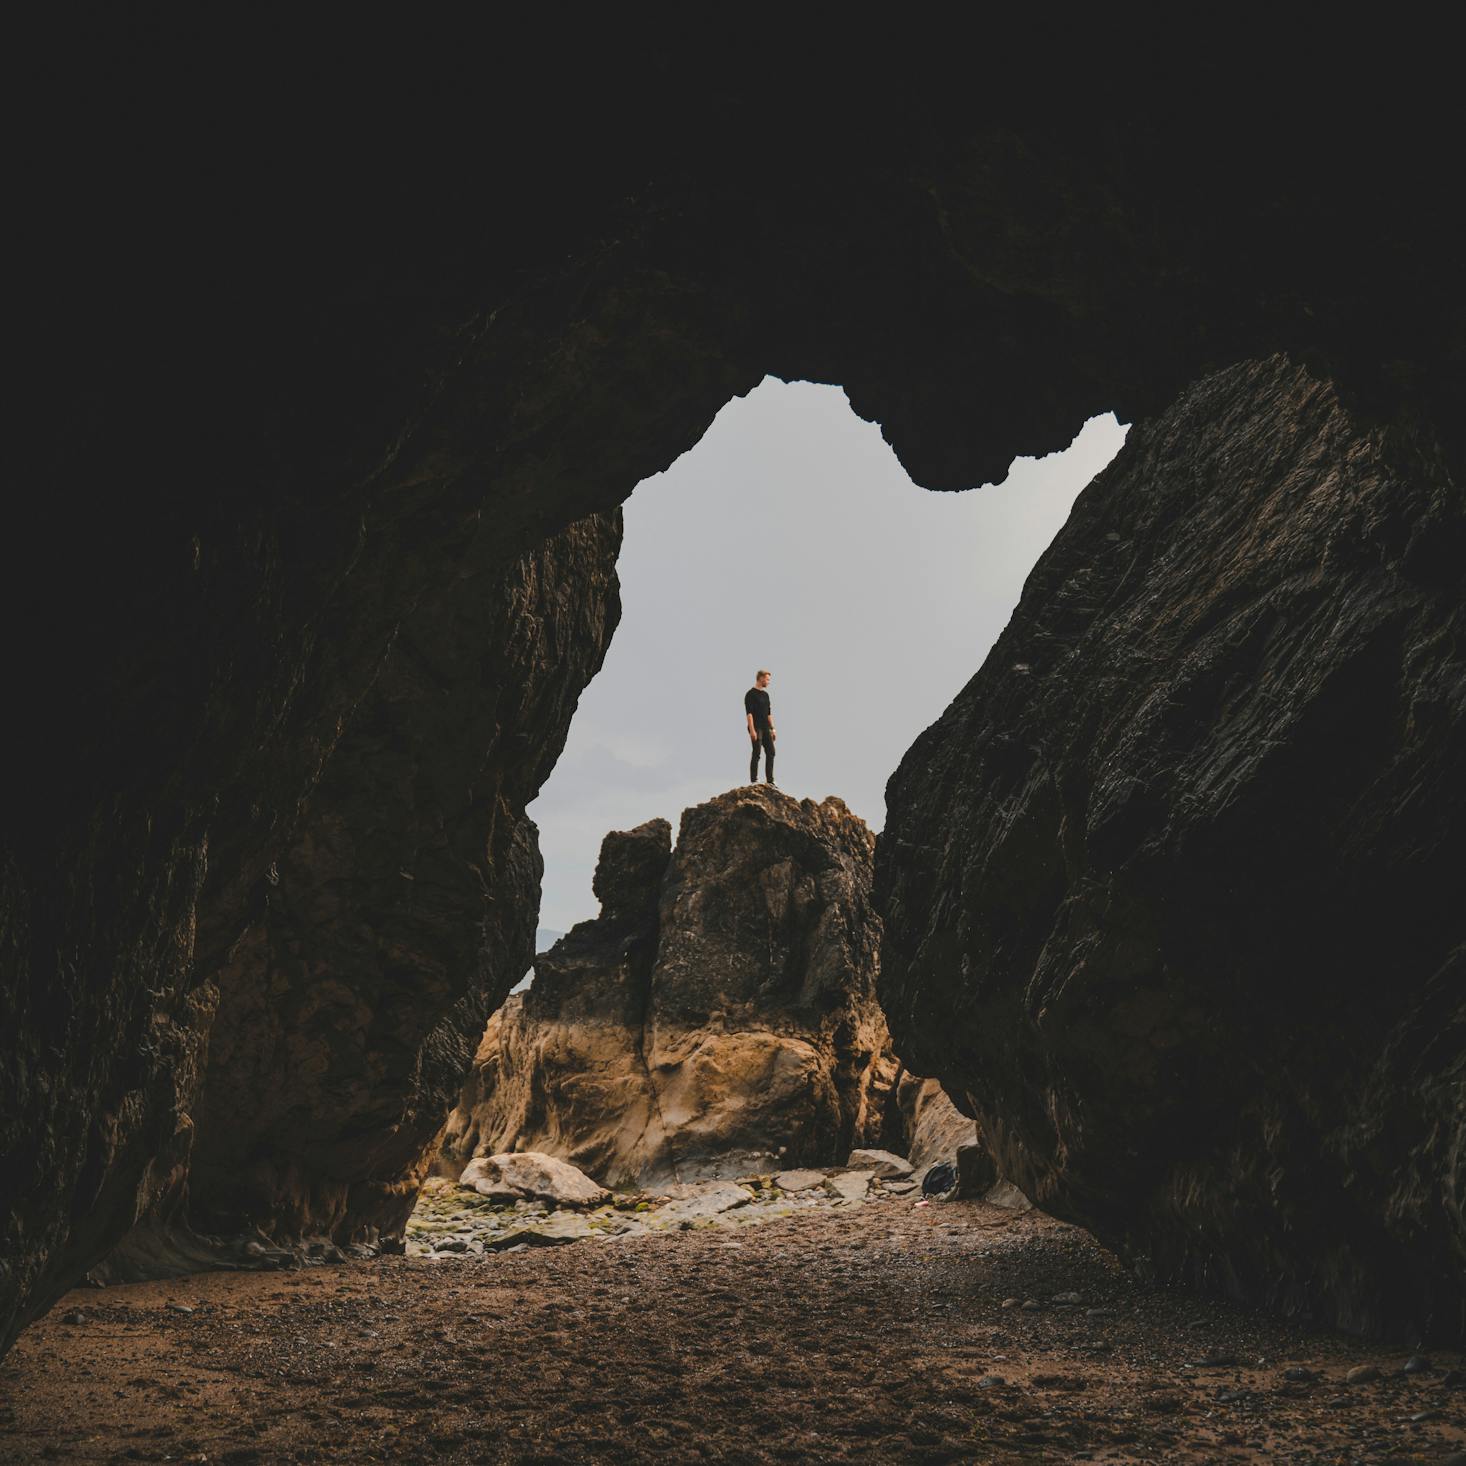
[752, 731]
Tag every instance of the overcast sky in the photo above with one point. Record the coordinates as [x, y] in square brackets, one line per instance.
[790, 538]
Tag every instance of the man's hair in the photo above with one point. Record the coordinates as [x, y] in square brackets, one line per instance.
[761, 673]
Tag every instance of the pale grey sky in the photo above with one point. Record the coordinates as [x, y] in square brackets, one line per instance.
[790, 538]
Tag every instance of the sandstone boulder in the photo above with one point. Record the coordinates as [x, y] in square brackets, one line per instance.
[534, 1177]
[560, 1068]
[799, 1180]
[720, 1013]
[1006, 1195]
[707, 1199]
[880, 1163]
[483, 1176]
[849, 1185]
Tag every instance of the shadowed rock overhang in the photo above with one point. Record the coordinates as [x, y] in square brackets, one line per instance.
[309, 385]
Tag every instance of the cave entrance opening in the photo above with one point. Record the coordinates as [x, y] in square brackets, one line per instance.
[790, 537]
[668, 1053]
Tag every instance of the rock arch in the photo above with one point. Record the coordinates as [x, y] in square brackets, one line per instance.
[268, 467]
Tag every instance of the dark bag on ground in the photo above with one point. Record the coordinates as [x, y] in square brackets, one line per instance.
[941, 1179]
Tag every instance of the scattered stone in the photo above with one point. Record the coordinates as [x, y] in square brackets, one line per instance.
[798, 1180]
[884, 1163]
[75, 1316]
[1217, 1359]
[849, 1185]
[1011, 1302]
[531, 1174]
[1066, 1300]
[179, 1308]
[989, 1381]
[977, 1171]
[1006, 1195]
[1417, 1364]
[1299, 1375]
[705, 1199]
[451, 1244]
[1099, 1313]
[898, 1188]
[1361, 1374]
[1453, 1379]
[1031, 1305]
[1421, 1416]
[263, 1256]
[556, 1232]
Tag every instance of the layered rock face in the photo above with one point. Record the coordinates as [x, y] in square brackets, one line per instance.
[932, 1127]
[717, 1017]
[561, 1067]
[1172, 889]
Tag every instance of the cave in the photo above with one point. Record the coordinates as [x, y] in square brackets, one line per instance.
[316, 550]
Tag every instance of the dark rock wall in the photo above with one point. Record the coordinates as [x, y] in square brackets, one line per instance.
[404, 909]
[1172, 890]
[284, 374]
[718, 1016]
[234, 639]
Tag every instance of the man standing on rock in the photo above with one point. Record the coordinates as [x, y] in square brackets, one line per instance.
[760, 726]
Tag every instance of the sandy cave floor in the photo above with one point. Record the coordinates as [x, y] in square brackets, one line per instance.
[862, 1332]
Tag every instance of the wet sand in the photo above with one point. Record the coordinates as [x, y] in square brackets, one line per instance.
[868, 1332]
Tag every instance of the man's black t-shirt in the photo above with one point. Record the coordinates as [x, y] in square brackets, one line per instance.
[756, 701]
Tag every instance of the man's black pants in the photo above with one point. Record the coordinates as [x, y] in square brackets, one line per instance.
[766, 739]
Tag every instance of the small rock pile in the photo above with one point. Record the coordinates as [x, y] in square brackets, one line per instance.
[515, 1201]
